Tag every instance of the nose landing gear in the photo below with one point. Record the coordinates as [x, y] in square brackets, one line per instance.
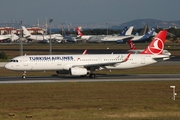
[24, 75]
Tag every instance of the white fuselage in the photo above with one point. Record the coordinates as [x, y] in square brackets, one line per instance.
[115, 38]
[86, 37]
[37, 37]
[65, 62]
[46, 37]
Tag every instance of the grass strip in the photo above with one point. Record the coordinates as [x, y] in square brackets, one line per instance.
[90, 101]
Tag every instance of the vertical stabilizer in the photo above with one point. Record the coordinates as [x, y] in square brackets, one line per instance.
[79, 32]
[157, 44]
[26, 33]
[123, 31]
[129, 31]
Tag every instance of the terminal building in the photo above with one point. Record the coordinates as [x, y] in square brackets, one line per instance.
[9, 30]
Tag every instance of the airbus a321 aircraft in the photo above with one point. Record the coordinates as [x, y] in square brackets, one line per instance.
[82, 65]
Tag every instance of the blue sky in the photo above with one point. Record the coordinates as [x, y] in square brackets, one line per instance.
[88, 11]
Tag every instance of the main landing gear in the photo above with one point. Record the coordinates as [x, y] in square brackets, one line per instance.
[24, 75]
[92, 75]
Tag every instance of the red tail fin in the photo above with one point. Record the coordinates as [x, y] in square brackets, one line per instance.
[131, 45]
[79, 32]
[157, 44]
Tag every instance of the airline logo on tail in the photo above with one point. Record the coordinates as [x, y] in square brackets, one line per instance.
[149, 33]
[124, 31]
[157, 45]
[79, 32]
[151, 30]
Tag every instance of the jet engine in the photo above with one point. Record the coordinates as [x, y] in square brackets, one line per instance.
[78, 71]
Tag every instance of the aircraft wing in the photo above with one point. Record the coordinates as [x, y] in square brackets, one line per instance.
[97, 65]
[127, 38]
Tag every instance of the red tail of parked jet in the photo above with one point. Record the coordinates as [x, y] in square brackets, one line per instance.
[157, 44]
[131, 45]
[79, 32]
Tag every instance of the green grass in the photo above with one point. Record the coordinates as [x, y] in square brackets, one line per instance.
[90, 101]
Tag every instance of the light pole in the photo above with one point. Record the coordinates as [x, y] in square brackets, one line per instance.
[50, 43]
[107, 28]
[20, 38]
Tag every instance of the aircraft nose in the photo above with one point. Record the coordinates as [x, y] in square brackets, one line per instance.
[8, 66]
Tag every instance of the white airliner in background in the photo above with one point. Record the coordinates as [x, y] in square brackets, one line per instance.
[28, 35]
[82, 65]
[92, 38]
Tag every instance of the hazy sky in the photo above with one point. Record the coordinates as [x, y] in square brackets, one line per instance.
[88, 11]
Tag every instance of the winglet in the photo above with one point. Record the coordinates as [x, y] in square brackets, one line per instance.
[85, 51]
[127, 57]
[157, 45]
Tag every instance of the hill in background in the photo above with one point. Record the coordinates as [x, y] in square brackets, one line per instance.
[139, 23]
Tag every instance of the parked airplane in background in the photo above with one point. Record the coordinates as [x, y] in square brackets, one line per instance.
[99, 38]
[41, 38]
[133, 49]
[12, 37]
[28, 35]
[141, 38]
[82, 65]
[125, 35]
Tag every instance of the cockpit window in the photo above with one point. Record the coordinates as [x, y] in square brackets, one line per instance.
[13, 60]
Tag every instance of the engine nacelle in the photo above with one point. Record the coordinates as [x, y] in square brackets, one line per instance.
[119, 41]
[62, 72]
[78, 71]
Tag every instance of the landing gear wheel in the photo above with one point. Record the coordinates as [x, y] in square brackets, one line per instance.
[92, 75]
[24, 75]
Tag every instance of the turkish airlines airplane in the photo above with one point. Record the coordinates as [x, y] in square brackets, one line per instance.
[82, 65]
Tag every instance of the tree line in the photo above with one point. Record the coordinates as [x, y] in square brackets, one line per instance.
[173, 31]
